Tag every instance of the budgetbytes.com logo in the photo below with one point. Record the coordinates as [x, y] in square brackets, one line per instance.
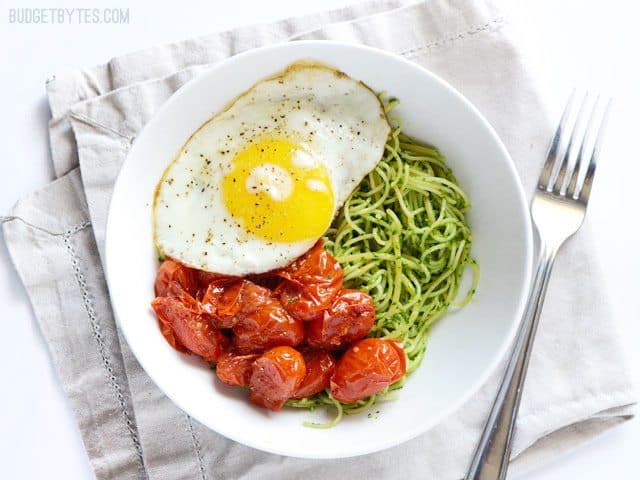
[68, 16]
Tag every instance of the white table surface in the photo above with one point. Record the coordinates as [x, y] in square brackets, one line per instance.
[590, 44]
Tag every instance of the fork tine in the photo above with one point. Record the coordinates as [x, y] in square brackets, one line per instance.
[591, 127]
[564, 165]
[552, 154]
[591, 170]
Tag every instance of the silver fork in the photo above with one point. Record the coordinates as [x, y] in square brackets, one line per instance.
[558, 210]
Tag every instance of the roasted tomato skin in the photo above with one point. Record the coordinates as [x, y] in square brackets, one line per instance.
[367, 368]
[320, 366]
[234, 369]
[311, 283]
[263, 323]
[209, 303]
[349, 318]
[204, 279]
[227, 303]
[275, 377]
[172, 274]
[167, 331]
[190, 327]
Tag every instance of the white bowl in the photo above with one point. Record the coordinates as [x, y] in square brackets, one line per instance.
[464, 347]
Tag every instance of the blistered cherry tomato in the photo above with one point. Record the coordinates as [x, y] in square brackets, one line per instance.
[209, 303]
[204, 279]
[367, 368]
[311, 283]
[234, 369]
[172, 274]
[223, 303]
[191, 328]
[267, 327]
[320, 366]
[275, 377]
[227, 303]
[349, 318]
[167, 332]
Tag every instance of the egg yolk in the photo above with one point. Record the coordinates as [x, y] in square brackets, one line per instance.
[279, 191]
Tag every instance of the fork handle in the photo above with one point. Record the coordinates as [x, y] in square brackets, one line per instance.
[491, 459]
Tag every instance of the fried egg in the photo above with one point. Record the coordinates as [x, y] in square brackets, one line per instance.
[260, 182]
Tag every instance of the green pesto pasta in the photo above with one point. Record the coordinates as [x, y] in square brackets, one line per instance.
[402, 237]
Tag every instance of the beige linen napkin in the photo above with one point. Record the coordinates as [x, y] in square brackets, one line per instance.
[578, 385]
